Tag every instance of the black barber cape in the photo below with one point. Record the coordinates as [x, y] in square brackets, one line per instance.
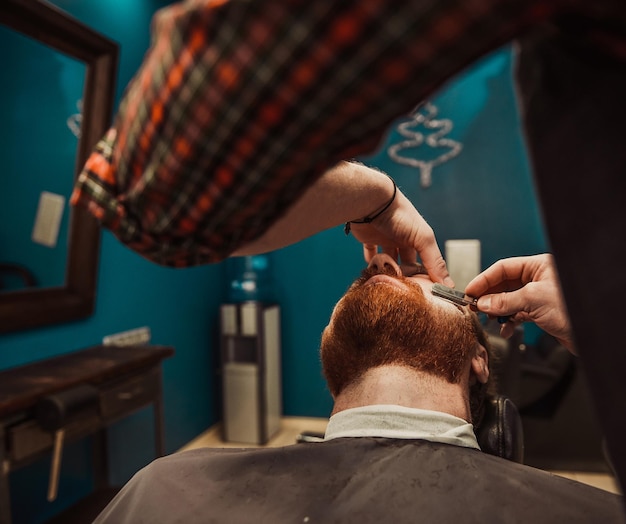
[360, 480]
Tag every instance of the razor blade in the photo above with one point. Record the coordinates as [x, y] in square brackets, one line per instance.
[459, 298]
[454, 296]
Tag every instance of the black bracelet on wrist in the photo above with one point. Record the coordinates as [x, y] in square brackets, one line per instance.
[368, 219]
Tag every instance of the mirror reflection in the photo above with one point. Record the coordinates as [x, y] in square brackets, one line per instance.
[49, 252]
[40, 107]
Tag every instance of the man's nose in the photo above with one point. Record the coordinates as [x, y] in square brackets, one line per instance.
[383, 263]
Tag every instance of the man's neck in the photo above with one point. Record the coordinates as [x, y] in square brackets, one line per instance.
[404, 386]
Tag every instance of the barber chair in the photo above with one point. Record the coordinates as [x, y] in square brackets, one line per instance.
[499, 433]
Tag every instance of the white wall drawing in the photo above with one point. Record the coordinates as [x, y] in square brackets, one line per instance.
[424, 116]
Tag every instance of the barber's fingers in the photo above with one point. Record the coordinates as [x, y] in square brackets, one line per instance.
[485, 283]
[392, 251]
[407, 255]
[494, 279]
[437, 269]
[404, 256]
[369, 251]
[425, 245]
[505, 303]
[404, 227]
[507, 274]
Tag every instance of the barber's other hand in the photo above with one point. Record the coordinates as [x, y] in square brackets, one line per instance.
[526, 289]
[402, 231]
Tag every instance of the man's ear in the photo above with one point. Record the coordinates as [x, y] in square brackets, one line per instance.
[480, 364]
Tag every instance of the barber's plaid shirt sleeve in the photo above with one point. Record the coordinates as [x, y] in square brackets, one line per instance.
[241, 104]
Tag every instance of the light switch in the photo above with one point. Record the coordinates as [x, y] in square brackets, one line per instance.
[48, 219]
[132, 337]
[463, 261]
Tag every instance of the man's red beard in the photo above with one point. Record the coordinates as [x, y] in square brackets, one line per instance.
[379, 324]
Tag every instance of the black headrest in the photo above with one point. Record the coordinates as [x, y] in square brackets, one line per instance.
[500, 431]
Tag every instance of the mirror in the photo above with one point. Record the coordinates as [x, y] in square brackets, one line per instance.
[81, 53]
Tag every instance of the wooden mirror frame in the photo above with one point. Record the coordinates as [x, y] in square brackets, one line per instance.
[45, 23]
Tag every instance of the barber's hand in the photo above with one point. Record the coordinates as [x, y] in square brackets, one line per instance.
[527, 289]
[402, 232]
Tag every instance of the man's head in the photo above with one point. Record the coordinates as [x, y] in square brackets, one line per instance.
[386, 318]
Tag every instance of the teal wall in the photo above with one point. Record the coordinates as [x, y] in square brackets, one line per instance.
[486, 193]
